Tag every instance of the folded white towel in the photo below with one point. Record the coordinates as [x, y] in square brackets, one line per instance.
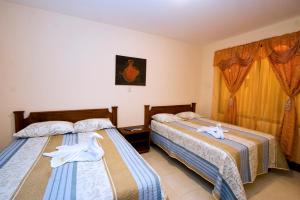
[215, 131]
[90, 151]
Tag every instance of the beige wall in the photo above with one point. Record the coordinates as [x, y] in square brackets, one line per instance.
[50, 61]
[206, 56]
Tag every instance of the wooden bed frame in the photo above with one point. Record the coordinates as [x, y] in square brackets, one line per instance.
[172, 109]
[65, 115]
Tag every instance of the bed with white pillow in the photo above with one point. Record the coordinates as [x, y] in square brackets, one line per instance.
[121, 173]
[227, 162]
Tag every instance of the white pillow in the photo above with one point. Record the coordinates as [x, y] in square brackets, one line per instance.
[188, 115]
[95, 124]
[165, 117]
[45, 129]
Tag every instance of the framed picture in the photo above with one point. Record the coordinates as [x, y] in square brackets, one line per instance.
[130, 71]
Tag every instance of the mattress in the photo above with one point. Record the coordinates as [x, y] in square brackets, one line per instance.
[228, 163]
[121, 174]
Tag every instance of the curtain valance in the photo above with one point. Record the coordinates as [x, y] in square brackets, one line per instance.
[280, 49]
[242, 55]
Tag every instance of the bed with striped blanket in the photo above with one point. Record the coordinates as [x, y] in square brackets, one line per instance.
[228, 163]
[121, 174]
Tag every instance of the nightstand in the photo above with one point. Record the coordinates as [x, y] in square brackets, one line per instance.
[137, 136]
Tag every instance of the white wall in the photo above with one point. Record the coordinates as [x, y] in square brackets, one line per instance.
[50, 61]
[206, 56]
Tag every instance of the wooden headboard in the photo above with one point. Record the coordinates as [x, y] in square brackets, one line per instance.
[172, 109]
[65, 115]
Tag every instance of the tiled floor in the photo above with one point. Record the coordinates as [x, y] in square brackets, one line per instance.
[180, 183]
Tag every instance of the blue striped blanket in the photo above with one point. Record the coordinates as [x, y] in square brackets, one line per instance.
[121, 174]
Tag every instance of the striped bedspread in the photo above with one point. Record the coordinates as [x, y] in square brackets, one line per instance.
[121, 174]
[228, 163]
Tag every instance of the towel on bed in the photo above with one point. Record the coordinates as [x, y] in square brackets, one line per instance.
[90, 151]
[215, 131]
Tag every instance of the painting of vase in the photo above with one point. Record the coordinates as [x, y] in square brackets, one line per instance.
[130, 71]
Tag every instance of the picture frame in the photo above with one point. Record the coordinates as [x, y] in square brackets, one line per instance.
[130, 71]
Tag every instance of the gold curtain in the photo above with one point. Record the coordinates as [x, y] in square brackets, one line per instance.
[234, 64]
[261, 101]
[285, 58]
[267, 97]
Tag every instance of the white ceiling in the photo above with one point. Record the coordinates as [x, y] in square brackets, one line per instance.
[196, 21]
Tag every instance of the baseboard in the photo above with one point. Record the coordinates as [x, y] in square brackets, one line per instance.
[294, 166]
